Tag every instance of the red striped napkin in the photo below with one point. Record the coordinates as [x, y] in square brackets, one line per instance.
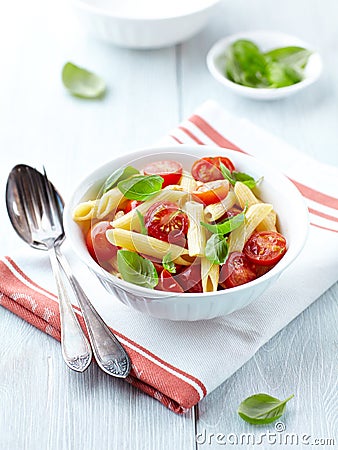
[179, 363]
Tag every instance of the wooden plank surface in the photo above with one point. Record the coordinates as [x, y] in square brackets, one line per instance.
[42, 404]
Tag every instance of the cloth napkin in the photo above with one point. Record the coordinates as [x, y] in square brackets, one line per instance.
[178, 363]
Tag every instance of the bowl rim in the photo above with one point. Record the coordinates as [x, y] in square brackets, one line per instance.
[84, 185]
[81, 4]
[219, 46]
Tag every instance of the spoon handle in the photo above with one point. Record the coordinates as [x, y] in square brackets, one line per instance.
[76, 350]
[109, 353]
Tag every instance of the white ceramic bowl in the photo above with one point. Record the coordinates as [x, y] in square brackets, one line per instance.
[144, 24]
[266, 40]
[275, 189]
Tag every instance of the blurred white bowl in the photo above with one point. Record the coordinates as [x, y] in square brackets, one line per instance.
[144, 24]
[275, 189]
[266, 40]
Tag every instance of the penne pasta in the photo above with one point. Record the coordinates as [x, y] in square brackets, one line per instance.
[130, 221]
[253, 217]
[147, 245]
[100, 208]
[196, 232]
[247, 197]
[188, 183]
[209, 275]
[216, 210]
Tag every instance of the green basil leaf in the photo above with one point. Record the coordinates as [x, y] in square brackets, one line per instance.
[168, 263]
[227, 225]
[216, 249]
[136, 269]
[262, 408]
[82, 83]
[291, 56]
[245, 64]
[246, 179]
[281, 75]
[140, 187]
[120, 174]
[227, 174]
[235, 176]
[141, 219]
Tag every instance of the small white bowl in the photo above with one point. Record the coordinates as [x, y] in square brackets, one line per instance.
[275, 189]
[266, 40]
[144, 24]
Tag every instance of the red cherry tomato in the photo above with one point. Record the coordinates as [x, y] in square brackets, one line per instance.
[170, 171]
[165, 219]
[212, 192]
[208, 168]
[168, 283]
[98, 245]
[234, 211]
[265, 248]
[130, 205]
[190, 279]
[237, 270]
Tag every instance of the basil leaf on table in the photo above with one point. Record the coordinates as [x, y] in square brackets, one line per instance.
[168, 263]
[216, 249]
[140, 187]
[227, 225]
[82, 83]
[262, 408]
[141, 219]
[136, 269]
[120, 174]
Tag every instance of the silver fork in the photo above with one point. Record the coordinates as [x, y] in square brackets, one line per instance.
[109, 353]
[47, 233]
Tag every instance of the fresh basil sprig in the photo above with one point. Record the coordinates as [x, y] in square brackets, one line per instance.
[216, 249]
[247, 65]
[228, 225]
[235, 176]
[142, 225]
[82, 83]
[168, 263]
[120, 174]
[140, 187]
[262, 408]
[136, 269]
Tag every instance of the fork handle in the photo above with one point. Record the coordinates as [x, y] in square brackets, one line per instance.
[76, 349]
[109, 353]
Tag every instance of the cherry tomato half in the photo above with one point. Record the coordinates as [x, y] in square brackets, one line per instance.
[234, 211]
[208, 168]
[265, 248]
[170, 171]
[237, 270]
[168, 283]
[130, 205]
[190, 279]
[212, 192]
[98, 245]
[165, 220]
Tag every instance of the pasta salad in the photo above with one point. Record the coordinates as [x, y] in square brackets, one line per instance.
[169, 229]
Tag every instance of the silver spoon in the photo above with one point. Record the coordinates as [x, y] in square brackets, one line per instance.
[35, 209]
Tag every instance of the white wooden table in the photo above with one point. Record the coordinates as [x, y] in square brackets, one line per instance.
[42, 404]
